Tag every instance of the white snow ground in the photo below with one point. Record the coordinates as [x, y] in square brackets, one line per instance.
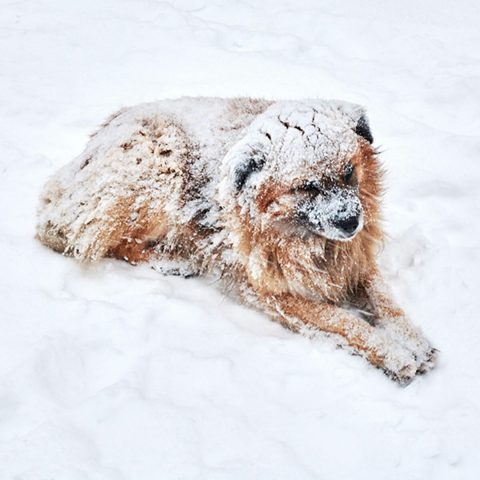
[115, 372]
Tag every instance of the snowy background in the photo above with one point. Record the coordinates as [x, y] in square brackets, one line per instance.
[114, 372]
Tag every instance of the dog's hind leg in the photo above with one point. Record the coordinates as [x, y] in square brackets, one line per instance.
[120, 195]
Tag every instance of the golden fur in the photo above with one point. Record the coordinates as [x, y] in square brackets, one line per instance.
[145, 190]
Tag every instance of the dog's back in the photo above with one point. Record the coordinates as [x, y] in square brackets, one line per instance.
[144, 177]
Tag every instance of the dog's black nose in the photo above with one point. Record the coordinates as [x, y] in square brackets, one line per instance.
[349, 224]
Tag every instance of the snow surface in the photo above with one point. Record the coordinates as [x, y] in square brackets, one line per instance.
[115, 372]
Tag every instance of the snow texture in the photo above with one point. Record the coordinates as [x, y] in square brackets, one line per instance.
[116, 372]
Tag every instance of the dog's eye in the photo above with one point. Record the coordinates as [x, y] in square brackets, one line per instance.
[348, 174]
[310, 187]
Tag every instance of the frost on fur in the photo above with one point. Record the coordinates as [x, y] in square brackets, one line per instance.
[279, 200]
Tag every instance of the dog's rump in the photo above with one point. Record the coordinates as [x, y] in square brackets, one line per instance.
[125, 186]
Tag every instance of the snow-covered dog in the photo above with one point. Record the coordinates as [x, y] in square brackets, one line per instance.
[279, 200]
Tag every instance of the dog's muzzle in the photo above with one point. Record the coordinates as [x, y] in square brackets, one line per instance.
[337, 215]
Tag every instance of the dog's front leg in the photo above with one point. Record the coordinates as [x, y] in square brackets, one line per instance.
[375, 344]
[390, 317]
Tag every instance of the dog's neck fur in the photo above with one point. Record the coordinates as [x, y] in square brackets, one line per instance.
[313, 267]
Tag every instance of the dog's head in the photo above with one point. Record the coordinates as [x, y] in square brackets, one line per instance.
[303, 169]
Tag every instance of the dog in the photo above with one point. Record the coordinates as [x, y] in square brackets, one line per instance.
[278, 200]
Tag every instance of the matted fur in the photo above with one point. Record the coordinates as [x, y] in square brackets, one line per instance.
[252, 192]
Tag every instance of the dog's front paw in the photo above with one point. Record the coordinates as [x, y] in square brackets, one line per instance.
[410, 339]
[404, 359]
[414, 366]
[429, 361]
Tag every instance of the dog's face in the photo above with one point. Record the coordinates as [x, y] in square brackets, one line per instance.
[330, 206]
[300, 169]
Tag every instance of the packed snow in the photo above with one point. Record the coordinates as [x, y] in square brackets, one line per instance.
[117, 372]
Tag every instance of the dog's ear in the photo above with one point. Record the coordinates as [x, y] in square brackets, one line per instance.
[363, 129]
[253, 163]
